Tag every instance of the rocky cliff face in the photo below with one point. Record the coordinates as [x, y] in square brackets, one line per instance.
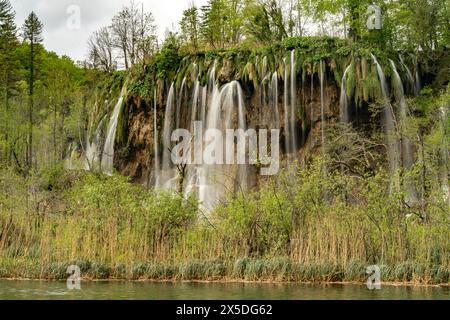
[134, 153]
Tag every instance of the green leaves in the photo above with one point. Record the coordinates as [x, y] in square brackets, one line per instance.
[100, 196]
[32, 29]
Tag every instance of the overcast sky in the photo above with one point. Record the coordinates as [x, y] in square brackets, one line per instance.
[94, 14]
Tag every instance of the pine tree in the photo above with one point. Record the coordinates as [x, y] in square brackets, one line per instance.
[32, 33]
[7, 26]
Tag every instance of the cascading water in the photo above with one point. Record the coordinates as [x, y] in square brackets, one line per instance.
[91, 154]
[157, 156]
[388, 120]
[290, 103]
[274, 100]
[322, 103]
[287, 125]
[408, 75]
[203, 106]
[179, 101]
[265, 112]
[344, 114]
[192, 180]
[108, 149]
[407, 147]
[195, 101]
[92, 151]
[211, 88]
[223, 108]
[293, 106]
[417, 85]
[264, 69]
[216, 108]
[69, 163]
[168, 174]
[215, 178]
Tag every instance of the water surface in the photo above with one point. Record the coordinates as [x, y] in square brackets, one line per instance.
[118, 290]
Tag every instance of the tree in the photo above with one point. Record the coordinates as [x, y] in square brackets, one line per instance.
[235, 20]
[134, 33]
[265, 21]
[101, 50]
[189, 25]
[425, 23]
[259, 26]
[213, 23]
[146, 35]
[8, 66]
[120, 30]
[32, 34]
[222, 22]
[276, 16]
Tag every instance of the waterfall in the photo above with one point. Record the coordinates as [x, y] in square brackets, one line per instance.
[92, 157]
[156, 141]
[408, 75]
[168, 127]
[274, 100]
[322, 104]
[261, 101]
[179, 102]
[293, 101]
[388, 120]
[68, 163]
[290, 103]
[286, 108]
[168, 174]
[92, 151]
[265, 112]
[417, 84]
[108, 150]
[216, 178]
[70, 156]
[211, 85]
[344, 115]
[191, 180]
[407, 147]
[264, 69]
[195, 100]
[203, 106]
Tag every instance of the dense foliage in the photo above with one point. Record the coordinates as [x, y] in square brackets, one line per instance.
[285, 231]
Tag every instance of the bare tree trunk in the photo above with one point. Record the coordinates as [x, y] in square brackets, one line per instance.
[125, 55]
[299, 18]
[345, 24]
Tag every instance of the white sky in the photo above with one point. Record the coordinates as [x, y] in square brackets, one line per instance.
[63, 40]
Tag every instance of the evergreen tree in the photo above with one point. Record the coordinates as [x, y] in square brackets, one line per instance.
[32, 34]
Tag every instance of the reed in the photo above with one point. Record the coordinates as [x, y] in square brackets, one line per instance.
[285, 232]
